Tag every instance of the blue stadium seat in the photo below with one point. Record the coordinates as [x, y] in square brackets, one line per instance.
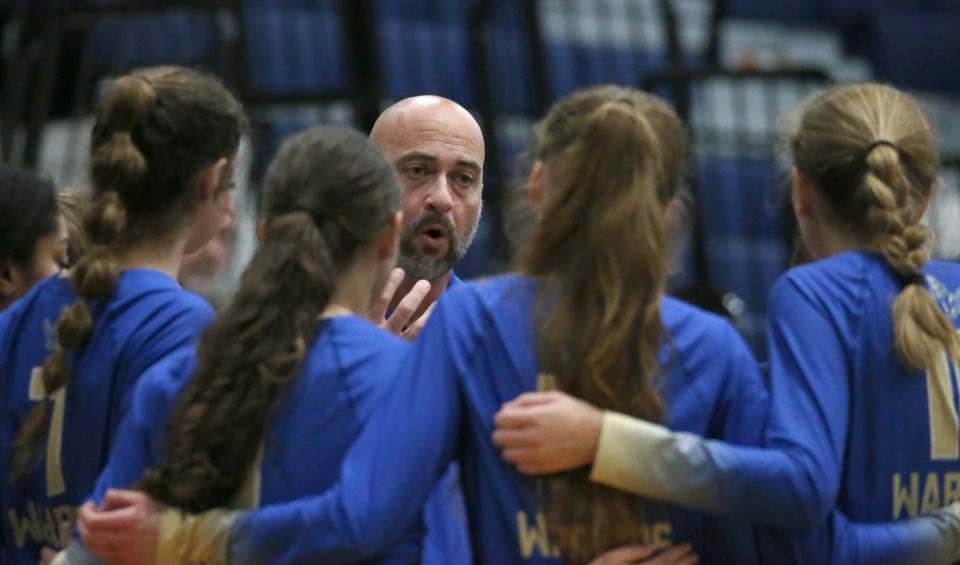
[572, 66]
[122, 43]
[295, 48]
[776, 10]
[843, 11]
[424, 48]
[510, 60]
[740, 206]
[917, 50]
[942, 6]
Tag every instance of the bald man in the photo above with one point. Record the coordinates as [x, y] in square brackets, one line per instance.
[437, 148]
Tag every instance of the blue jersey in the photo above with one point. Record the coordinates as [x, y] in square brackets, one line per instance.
[477, 352]
[317, 420]
[444, 514]
[147, 318]
[850, 428]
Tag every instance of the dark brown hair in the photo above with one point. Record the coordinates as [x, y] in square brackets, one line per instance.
[156, 130]
[872, 152]
[329, 193]
[28, 213]
[613, 157]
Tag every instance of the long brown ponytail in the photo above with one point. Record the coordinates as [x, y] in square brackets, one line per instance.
[613, 158]
[329, 193]
[155, 131]
[871, 151]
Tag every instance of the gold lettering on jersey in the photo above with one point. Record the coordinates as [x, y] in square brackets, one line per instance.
[944, 429]
[951, 488]
[534, 535]
[931, 494]
[41, 524]
[905, 498]
[938, 490]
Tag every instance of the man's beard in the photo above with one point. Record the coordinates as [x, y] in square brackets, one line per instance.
[421, 266]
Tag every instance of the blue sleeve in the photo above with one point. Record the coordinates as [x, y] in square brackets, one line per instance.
[745, 403]
[164, 335]
[793, 483]
[388, 473]
[177, 332]
[927, 539]
[137, 442]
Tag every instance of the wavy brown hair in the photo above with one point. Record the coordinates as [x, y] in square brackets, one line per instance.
[156, 130]
[871, 151]
[329, 194]
[613, 157]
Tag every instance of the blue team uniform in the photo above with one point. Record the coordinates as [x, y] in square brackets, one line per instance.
[446, 539]
[476, 353]
[311, 430]
[148, 317]
[850, 428]
[444, 513]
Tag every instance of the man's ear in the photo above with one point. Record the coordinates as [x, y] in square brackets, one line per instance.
[211, 180]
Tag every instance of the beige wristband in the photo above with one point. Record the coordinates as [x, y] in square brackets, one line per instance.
[202, 538]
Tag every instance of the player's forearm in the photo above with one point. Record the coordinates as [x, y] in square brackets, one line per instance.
[313, 529]
[764, 486]
[932, 539]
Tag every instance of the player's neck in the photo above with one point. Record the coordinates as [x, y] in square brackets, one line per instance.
[164, 258]
[437, 287]
[829, 241]
[354, 290]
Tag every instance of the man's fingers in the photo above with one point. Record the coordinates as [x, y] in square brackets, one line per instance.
[413, 330]
[378, 310]
[409, 304]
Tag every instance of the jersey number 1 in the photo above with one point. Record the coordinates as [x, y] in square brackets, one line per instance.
[55, 484]
[944, 433]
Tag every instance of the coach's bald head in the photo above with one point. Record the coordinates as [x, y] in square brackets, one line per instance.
[438, 150]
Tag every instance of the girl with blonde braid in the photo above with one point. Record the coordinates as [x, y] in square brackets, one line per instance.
[864, 365]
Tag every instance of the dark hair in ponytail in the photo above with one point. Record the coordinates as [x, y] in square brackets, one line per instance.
[156, 131]
[329, 193]
[613, 158]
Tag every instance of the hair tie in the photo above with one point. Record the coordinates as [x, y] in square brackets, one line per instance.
[878, 143]
[915, 278]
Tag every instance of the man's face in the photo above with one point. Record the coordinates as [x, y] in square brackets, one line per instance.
[438, 156]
